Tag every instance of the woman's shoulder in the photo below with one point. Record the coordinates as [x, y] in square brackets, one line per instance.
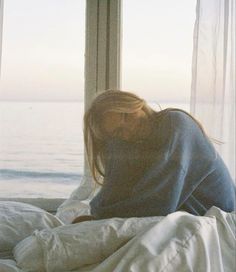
[178, 114]
[178, 123]
[175, 117]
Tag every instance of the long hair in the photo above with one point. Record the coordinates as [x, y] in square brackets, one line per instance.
[94, 136]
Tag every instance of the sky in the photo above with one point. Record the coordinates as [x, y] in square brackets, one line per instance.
[44, 40]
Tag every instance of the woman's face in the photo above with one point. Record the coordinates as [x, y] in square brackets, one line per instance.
[126, 126]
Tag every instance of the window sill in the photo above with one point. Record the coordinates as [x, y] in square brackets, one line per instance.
[47, 204]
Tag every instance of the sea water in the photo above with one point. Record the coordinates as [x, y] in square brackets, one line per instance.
[41, 148]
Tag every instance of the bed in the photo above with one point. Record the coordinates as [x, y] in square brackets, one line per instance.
[32, 239]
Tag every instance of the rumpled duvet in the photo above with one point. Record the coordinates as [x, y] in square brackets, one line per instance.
[177, 242]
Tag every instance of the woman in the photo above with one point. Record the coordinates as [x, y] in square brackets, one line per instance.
[151, 163]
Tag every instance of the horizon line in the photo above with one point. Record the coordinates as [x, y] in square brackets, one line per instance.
[80, 100]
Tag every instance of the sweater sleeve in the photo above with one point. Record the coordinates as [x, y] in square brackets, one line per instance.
[121, 160]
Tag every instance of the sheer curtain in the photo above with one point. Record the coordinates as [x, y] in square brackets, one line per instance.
[213, 78]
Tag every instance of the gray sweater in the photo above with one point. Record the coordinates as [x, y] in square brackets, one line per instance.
[175, 168]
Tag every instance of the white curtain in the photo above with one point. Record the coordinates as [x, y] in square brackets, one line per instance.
[1, 27]
[213, 78]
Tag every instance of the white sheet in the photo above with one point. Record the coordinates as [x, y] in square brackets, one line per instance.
[77, 245]
[179, 242]
[18, 221]
[9, 266]
[184, 244]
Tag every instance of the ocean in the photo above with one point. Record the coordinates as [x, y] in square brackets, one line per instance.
[41, 148]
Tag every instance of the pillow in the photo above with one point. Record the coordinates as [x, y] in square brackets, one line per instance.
[19, 220]
[78, 245]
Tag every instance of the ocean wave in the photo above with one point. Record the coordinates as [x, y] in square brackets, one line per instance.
[12, 174]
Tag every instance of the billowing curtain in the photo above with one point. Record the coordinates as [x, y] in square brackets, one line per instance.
[213, 78]
[1, 27]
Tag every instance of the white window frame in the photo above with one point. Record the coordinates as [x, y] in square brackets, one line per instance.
[102, 66]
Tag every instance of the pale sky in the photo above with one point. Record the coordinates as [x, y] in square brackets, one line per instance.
[157, 48]
[43, 49]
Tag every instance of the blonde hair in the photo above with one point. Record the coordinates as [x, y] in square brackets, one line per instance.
[107, 101]
[112, 101]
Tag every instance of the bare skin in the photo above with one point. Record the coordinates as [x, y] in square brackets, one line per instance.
[82, 218]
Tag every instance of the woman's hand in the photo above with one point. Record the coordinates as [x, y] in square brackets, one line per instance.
[82, 218]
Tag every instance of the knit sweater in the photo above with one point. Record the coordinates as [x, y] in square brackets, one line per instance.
[175, 168]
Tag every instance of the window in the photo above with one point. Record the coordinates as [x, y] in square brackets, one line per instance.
[157, 50]
[49, 59]
[41, 99]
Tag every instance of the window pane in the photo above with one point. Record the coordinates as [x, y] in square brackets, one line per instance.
[157, 50]
[41, 98]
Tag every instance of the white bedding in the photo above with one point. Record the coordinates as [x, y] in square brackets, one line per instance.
[19, 220]
[177, 242]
